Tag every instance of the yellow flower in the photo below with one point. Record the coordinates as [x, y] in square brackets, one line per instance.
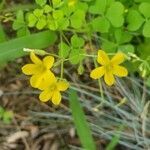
[109, 68]
[39, 69]
[52, 90]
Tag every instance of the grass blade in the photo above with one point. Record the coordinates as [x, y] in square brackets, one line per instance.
[13, 49]
[81, 124]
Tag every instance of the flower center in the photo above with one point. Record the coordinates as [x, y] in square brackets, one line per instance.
[41, 68]
[108, 67]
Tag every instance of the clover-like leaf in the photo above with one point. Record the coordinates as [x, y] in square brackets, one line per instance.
[115, 14]
[47, 8]
[144, 8]
[122, 36]
[77, 19]
[41, 2]
[58, 14]
[100, 24]
[38, 13]
[41, 23]
[146, 28]
[126, 48]
[63, 23]
[77, 42]
[56, 3]
[109, 46]
[135, 20]
[76, 56]
[64, 50]
[98, 7]
[32, 20]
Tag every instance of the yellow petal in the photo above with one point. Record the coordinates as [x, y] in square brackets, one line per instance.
[45, 95]
[36, 80]
[120, 71]
[56, 97]
[62, 85]
[109, 78]
[34, 58]
[29, 69]
[97, 73]
[102, 58]
[47, 81]
[118, 58]
[48, 61]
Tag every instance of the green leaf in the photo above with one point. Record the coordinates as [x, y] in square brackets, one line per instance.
[48, 9]
[31, 20]
[146, 29]
[126, 48]
[100, 24]
[98, 7]
[122, 36]
[22, 32]
[57, 14]
[41, 2]
[77, 19]
[80, 122]
[56, 3]
[19, 21]
[41, 23]
[64, 50]
[38, 13]
[14, 48]
[76, 56]
[135, 20]
[77, 42]
[144, 8]
[115, 14]
[109, 47]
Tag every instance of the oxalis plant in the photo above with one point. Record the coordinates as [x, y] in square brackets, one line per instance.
[105, 33]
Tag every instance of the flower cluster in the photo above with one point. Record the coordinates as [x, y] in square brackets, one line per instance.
[44, 79]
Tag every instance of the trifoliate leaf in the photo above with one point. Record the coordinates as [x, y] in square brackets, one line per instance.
[110, 47]
[58, 14]
[63, 50]
[38, 13]
[122, 36]
[77, 42]
[77, 19]
[100, 24]
[98, 7]
[53, 25]
[41, 23]
[135, 20]
[76, 56]
[146, 29]
[126, 48]
[31, 20]
[115, 14]
[63, 23]
[56, 3]
[144, 8]
[41, 2]
[47, 8]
